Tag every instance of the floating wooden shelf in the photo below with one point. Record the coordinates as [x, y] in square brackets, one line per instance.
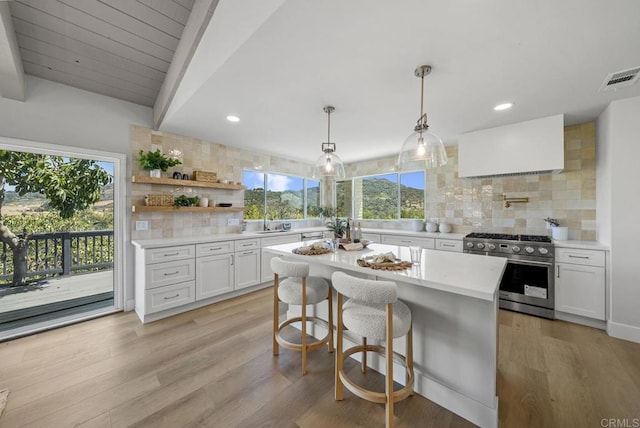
[185, 183]
[147, 208]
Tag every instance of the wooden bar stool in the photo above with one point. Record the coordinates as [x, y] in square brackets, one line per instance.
[373, 311]
[293, 286]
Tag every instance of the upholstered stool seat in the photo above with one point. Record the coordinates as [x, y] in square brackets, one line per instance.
[290, 290]
[369, 320]
[293, 286]
[373, 311]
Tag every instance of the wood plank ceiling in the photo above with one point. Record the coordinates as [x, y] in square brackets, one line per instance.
[118, 48]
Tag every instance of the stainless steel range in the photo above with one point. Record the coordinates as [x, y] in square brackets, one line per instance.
[528, 283]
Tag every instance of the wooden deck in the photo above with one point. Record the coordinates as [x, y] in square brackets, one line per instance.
[54, 294]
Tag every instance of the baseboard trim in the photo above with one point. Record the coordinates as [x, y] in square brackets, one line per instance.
[623, 331]
[578, 319]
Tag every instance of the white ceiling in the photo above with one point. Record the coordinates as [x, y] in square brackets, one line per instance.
[276, 63]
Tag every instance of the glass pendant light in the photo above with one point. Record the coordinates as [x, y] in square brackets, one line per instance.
[329, 165]
[422, 149]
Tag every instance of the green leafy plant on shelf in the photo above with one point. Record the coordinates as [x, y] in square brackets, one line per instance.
[156, 160]
[186, 201]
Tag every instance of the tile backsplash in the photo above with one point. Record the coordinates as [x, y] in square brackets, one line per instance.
[477, 204]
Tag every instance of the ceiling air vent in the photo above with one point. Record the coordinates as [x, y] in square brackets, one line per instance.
[620, 79]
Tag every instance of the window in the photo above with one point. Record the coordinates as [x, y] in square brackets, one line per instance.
[286, 197]
[384, 196]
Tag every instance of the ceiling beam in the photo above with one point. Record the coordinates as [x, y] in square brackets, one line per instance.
[197, 23]
[11, 72]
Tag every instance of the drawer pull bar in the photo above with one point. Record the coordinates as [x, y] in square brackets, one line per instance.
[171, 273]
[448, 245]
[215, 249]
[248, 252]
[406, 242]
[579, 257]
[247, 245]
[171, 297]
[171, 254]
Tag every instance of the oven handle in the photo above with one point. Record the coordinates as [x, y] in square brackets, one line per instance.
[529, 262]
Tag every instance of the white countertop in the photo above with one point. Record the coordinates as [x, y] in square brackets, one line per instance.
[583, 245]
[423, 234]
[469, 275]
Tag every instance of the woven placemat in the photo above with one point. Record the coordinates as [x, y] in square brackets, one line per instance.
[311, 251]
[385, 266]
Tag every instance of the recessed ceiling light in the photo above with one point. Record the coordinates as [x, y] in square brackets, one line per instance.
[233, 118]
[503, 106]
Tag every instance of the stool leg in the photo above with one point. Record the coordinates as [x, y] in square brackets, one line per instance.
[389, 371]
[276, 349]
[304, 325]
[330, 301]
[409, 354]
[338, 364]
[363, 361]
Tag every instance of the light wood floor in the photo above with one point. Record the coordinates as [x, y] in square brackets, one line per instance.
[213, 367]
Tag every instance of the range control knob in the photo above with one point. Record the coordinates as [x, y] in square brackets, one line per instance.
[480, 245]
[515, 249]
[469, 244]
[543, 251]
[491, 246]
[529, 250]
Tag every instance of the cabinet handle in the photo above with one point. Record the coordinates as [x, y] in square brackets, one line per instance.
[215, 249]
[232, 259]
[448, 245]
[171, 273]
[171, 254]
[171, 297]
[248, 252]
[557, 271]
[247, 245]
[578, 257]
[406, 242]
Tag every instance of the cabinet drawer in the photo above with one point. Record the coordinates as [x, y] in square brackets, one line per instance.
[168, 254]
[580, 257]
[247, 244]
[375, 237]
[408, 241]
[448, 245]
[169, 296]
[212, 248]
[277, 240]
[159, 275]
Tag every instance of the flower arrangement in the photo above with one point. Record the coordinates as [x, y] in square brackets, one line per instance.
[553, 222]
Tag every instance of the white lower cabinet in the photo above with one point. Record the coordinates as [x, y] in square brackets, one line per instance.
[169, 296]
[247, 268]
[407, 241]
[580, 285]
[449, 245]
[214, 275]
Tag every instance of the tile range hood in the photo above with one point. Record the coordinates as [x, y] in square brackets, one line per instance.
[532, 147]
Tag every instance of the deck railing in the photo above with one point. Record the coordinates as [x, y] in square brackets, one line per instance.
[63, 253]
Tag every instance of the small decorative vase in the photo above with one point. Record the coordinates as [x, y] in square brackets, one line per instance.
[155, 173]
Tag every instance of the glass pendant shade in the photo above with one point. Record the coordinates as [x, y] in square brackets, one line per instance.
[329, 165]
[422, 150]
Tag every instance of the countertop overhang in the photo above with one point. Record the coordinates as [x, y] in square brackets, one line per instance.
[469, 275]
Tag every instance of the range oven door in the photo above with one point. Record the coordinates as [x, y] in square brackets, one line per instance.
[529, 282]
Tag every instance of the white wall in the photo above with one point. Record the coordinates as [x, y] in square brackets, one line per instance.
[619, 129]
[59, 114]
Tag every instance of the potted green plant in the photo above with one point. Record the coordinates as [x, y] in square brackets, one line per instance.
[337, 225]
[156, 162]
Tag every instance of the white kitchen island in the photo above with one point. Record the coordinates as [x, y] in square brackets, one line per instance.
[453, 301]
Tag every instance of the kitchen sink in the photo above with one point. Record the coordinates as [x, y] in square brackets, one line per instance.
[271, 231]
